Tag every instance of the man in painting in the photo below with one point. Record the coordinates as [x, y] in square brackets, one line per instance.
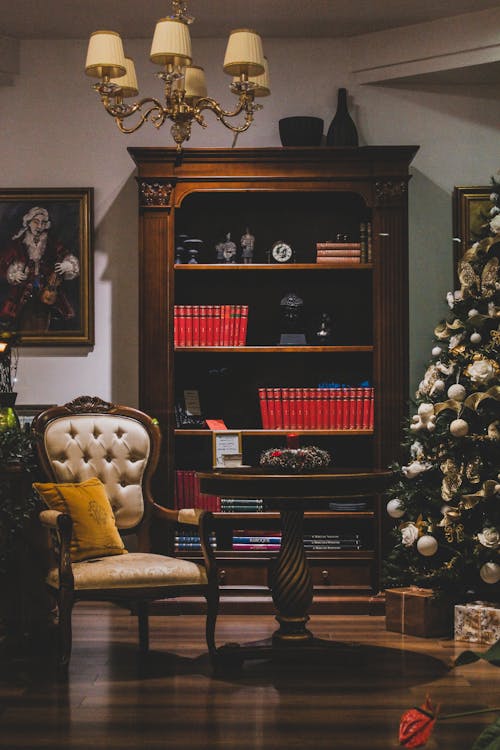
[34, 265]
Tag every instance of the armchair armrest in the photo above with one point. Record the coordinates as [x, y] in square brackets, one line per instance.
[198, 517]
[61, 525]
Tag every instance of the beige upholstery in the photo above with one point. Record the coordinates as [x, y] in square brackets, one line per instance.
[113, 448]
[135, 570]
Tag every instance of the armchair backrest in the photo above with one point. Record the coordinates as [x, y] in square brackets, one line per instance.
[89, 437]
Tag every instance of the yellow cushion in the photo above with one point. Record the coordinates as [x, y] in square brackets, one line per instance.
[94, 529]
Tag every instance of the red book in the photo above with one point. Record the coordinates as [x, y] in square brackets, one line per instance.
[176, 325]
[196, 325]
[325, 408]
[270, 408]
[359, 409]
[332, 408]
[307, 408]
[278, 409]
[264, 414]
[352, 408]
[299, 406]
[327, 245]
[340, 408]
[203, 325]
[217, 325]
[183, 489]
[226, 325]
[285, 403]
[189, 324]
[366, 409]
[182, 325]
[313, 408]
[232, 325]
[292, 408]
[243, 326]
[372, 408]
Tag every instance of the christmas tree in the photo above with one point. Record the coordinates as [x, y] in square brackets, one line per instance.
[446, 499]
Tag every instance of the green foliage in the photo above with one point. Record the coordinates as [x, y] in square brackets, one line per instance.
[16, 508]
[489, 739]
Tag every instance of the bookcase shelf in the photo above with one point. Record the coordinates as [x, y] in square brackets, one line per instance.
[273, 349]
[273, 433]
[303, 197]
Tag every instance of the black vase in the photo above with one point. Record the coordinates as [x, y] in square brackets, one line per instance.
[342, 130]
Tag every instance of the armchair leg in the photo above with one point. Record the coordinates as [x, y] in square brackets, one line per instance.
[65, 604]
[143, 622]
[212, 598]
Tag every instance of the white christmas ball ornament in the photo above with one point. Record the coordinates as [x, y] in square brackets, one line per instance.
[490, 572]
[438, 387]
[436, 351]
[475, 338]
[427, 545]
[459, 428]
[456, 392]
[394, 508]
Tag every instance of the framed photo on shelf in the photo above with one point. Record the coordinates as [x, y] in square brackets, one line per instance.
[471, 206]
[226, 443]
[46, 265]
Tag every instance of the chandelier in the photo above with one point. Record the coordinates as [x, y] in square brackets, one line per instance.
[185, 92]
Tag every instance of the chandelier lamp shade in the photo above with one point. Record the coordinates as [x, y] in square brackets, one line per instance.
[185, 96]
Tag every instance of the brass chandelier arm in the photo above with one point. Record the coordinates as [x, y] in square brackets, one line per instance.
[245, 104]
[156, 113]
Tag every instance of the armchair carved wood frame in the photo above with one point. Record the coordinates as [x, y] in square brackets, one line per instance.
[88, 438]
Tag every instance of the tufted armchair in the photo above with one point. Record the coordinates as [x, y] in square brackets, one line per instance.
[89, 438]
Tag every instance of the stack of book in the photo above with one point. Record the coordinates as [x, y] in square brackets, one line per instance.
[343, 251]
[351, 506]
[256, 540]
[187, 492]
[338, 253]
[210, 325]
[324, 542]
[186, 540]
[338, 408]
[241, 505]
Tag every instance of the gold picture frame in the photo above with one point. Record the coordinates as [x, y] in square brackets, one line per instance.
[471, 206]
[46, 265]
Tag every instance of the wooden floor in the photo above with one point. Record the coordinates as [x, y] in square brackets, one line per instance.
[170, 699]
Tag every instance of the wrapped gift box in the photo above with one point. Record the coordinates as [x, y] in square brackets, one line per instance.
[477, 622]
[416, 611]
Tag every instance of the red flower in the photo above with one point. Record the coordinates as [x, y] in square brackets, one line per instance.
[276, 454]
[417, 723]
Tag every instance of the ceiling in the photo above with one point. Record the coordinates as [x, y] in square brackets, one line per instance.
[58, 19]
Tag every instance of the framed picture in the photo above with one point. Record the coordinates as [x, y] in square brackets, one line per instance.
[46, 265]
[226, 443]
[471, 206]
[27, 412]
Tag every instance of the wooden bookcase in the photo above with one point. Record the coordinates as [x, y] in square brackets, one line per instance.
[301, 196]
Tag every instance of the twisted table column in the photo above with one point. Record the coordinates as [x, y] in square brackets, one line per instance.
[291, 583]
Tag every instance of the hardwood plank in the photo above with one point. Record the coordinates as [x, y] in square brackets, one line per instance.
[116, 699]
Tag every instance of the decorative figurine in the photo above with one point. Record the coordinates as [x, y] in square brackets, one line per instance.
[281, 252]
[292, 321]
[247, 243]
[226, 251]
[324, 333]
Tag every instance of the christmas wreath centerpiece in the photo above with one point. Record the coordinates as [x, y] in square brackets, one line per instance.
[309, 457]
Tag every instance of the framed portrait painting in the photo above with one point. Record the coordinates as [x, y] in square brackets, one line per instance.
[46, 265]
[471, 207]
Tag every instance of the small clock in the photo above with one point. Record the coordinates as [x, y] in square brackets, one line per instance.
[281, 252]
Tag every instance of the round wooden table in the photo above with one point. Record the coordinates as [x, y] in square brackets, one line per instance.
[290, 581]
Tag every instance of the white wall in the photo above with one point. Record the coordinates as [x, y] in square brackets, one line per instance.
[55, 134]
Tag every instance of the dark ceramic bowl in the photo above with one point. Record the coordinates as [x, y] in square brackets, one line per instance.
[301, 131]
